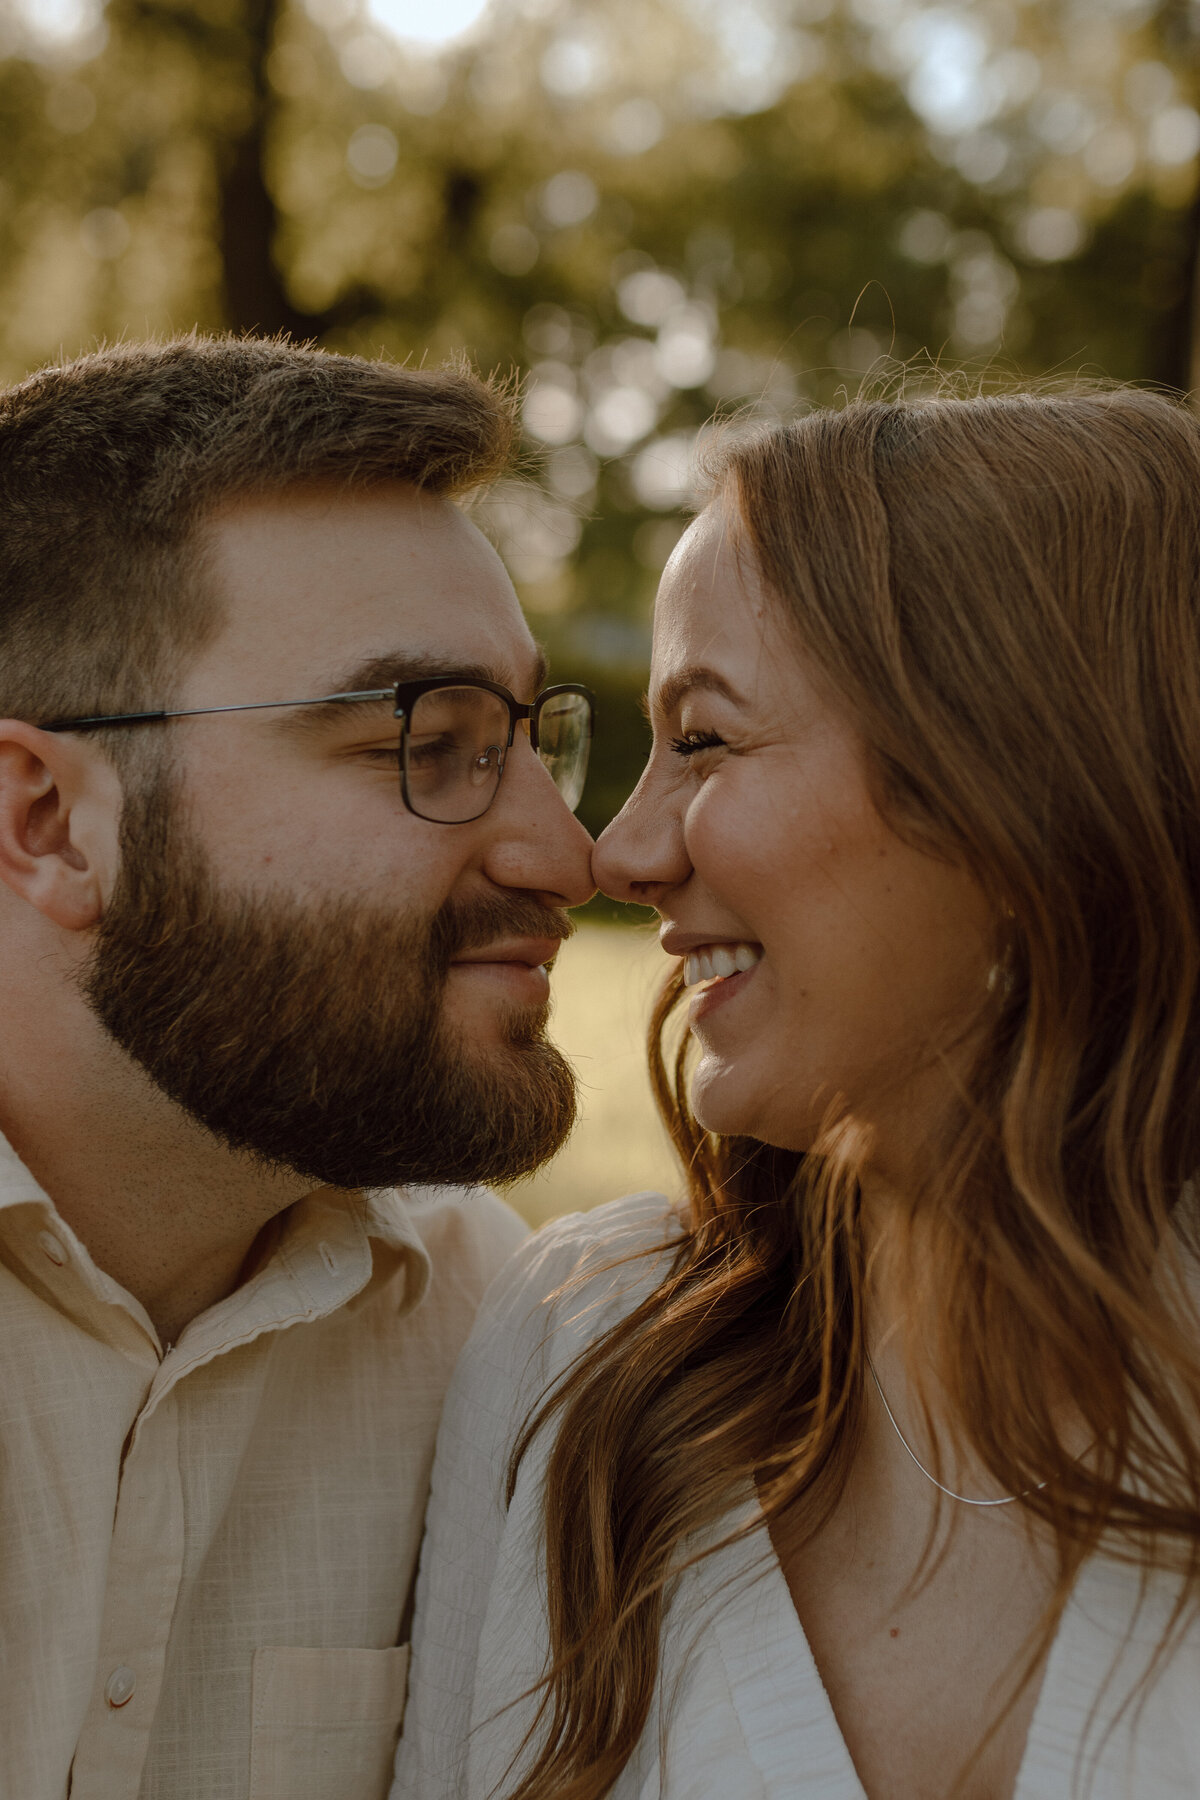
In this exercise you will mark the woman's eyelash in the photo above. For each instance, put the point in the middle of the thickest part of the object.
(693, 741)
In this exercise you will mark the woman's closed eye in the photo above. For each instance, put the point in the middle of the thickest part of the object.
(692, 742)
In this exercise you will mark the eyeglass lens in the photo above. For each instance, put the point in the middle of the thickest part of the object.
(456, 742)
(564, 734)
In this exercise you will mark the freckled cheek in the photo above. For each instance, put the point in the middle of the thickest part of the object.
(762, 851)
(734, 843)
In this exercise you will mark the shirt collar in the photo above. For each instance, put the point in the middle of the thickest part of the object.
(334, 1246)
(17, 1185)
(389, 1222)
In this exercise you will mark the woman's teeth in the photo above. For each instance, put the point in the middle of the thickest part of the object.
(717, 961)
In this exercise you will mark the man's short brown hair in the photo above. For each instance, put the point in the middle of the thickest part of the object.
(109, 463)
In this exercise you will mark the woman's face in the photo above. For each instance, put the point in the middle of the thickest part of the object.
(829, 963)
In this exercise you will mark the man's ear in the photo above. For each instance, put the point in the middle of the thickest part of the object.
(60, 805)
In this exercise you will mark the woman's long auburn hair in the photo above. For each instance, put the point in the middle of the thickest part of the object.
(1004, 591)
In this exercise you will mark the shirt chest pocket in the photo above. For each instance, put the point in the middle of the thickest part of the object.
(325, 1723)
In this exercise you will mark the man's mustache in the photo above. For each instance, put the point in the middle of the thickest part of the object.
(472, 925)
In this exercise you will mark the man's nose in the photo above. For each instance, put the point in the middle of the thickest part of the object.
(537, 843)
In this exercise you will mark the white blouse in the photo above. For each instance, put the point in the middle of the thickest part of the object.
(740, 1712)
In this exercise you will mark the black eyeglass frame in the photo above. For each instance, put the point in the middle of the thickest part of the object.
(403, 695)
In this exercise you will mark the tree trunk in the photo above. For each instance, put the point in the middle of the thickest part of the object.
(1179, 360)
(255, 297)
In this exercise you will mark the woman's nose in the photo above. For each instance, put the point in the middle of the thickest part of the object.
(642, 852)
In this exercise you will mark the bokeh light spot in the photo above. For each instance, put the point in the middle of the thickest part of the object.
(568, 198)
(417, 22)
(371, 155)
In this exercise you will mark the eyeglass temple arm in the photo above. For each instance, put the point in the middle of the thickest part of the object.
(195, 712)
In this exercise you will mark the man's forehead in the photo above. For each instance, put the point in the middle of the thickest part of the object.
(330, 584)
(310, 529)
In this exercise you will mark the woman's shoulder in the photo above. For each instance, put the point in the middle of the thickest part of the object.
(565, 1287)
(585, 1246)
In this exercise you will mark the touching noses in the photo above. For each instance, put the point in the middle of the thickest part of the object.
(537, 843)
(642, 853)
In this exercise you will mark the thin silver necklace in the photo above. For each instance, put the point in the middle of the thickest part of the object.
(963, 1499)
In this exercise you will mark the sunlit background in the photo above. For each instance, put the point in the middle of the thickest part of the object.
(662, 212)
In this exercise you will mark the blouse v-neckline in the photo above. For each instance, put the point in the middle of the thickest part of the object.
(788, 1720)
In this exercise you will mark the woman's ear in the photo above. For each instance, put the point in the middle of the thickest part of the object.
(59, 812)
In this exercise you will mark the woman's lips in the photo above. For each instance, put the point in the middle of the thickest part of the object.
(718, 992)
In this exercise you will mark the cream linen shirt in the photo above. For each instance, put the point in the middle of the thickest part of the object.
(206, 1554)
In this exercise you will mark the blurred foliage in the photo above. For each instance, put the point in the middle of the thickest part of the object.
(622, 727)
(660, 212)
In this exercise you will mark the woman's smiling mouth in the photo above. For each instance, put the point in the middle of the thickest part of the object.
(718, 962)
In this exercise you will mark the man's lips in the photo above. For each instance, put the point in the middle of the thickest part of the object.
(530, 953)
(516, 969)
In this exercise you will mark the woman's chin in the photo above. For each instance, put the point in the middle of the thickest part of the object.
(731, 1102)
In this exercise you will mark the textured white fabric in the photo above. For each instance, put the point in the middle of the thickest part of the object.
(224, 1536)
(740, 1712)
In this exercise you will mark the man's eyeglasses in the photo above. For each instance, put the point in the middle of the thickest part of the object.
(453, 737)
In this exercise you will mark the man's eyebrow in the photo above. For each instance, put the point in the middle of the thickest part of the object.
(379, 672)
(668, 696)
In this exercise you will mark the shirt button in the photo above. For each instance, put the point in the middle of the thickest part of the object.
(49, 1245)
(328, 1258)
(118, 1689)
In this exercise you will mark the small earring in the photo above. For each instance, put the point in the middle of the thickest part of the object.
(999, 976)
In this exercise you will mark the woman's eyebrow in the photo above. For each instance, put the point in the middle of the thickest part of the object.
(671, 692)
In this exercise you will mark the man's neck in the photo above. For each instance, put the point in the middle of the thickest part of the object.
(164, 1209)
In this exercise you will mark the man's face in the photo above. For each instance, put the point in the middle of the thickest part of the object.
(316, 974)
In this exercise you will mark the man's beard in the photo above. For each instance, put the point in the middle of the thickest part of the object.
(312, 1034)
